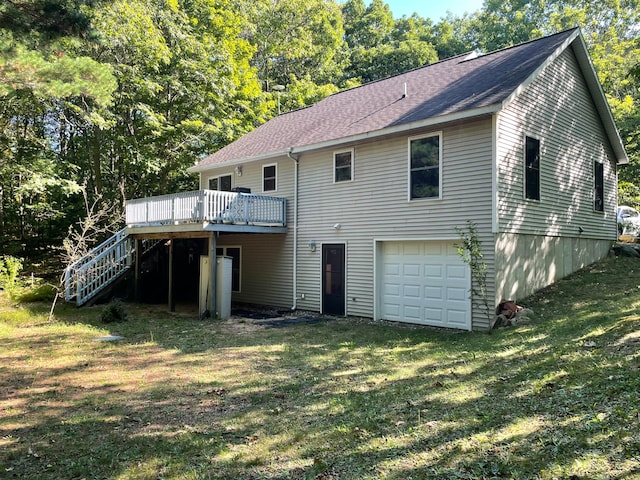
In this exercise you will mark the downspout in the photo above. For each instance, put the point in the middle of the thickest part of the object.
(296, 161)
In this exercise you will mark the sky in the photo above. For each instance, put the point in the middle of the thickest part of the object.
(433, 9)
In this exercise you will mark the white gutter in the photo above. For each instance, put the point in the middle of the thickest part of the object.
(295, 228)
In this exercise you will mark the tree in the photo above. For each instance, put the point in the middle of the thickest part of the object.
(294, 38)
(380, 46)
(185, 88)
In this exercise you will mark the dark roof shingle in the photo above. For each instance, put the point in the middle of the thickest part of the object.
(450, 86)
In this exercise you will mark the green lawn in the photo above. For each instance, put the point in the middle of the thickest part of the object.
(340, 399)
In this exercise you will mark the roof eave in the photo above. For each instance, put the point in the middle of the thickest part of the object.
(600, 100)
(427, 122)
(238, 161)
(597, 93)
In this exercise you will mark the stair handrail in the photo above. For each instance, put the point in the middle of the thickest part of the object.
(102, 270)
(72, 270)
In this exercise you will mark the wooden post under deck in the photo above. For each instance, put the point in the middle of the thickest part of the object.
(136, 275)
(171, 301)
(212, 275)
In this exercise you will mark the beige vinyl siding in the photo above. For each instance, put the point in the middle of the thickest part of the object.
(376, 206)
(267, 259)
(266, 268)
(522, 273)
(557, 109)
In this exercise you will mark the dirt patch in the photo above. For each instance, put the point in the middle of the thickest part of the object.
(250, 320)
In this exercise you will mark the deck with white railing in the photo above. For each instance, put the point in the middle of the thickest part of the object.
(207, 209)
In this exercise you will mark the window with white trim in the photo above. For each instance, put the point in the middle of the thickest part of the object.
(235, 254)
(221, 183)
(269, 178)
(532, 168)
(343, 166)
(425, 155)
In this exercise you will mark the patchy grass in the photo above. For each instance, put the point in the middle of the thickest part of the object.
(349, 399)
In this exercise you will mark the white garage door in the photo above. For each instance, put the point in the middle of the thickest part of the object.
(426, 283)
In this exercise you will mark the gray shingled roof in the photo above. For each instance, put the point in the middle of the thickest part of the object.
(460, 84)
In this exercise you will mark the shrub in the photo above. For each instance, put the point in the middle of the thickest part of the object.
(114, 312)
(39, 292)
(10, 268)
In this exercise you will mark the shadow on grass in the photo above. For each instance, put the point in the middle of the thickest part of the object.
(181, 398)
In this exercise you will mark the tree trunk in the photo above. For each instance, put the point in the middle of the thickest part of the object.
(95, 161)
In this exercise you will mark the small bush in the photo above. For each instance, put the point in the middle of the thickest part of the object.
(10, 268)
(39, 292)
(114, 312)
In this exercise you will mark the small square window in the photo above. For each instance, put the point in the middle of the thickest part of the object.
(269, 183)
(343, 166)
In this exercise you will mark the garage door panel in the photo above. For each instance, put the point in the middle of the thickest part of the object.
(392, 268)
(433, 293)
(412, 249)
(457, 294)
(457, 318)
(393, 311)
(434, 271)
(457, 271)
(433, 315)
(425, 282)
(392, 289)
(411, 291)
(411, 270)
(412, 313)
(432, 248)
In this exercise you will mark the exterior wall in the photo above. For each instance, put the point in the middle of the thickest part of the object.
(521, 273)
(539, 242)
(526, 244)
(375, 206)
(558, 110)
(266, 268)
(266, 259)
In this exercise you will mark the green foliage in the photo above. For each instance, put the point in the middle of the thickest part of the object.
(471, 252)
(10, 268)
(114, 312)
(50, 19)
(628, 194)
(116, 99)
(352, 399)
(59, 76)
(39, 291)
(295, 38)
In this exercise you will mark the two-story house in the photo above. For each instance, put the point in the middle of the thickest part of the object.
(376, 183)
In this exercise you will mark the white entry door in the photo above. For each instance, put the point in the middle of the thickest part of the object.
(425, 282)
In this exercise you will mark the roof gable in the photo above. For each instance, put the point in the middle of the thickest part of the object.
(462, 86)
